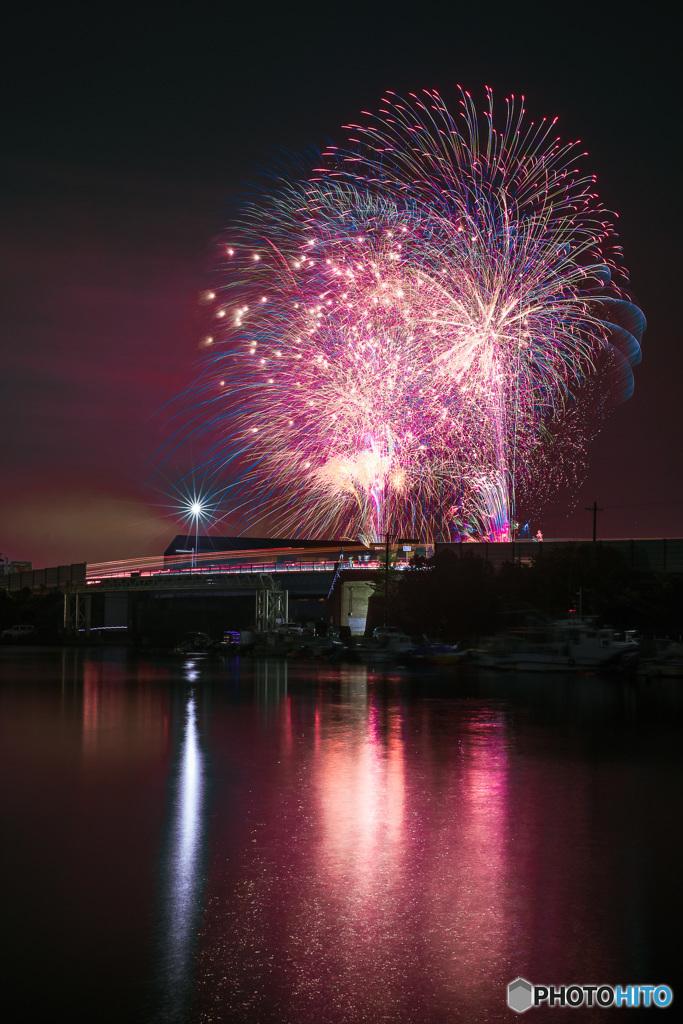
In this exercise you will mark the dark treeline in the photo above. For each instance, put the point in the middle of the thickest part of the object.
(461, 598)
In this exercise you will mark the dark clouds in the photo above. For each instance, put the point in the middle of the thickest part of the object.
(100, 275)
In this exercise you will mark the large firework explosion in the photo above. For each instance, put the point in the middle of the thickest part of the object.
(422, 337)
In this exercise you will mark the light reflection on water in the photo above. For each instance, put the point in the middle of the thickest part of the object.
(268, 841)
(373, 882)
(182, 872)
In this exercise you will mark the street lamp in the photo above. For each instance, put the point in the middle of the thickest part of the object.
(196, 511)
(196, 505)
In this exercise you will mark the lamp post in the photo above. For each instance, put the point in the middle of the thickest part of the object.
(196, 508)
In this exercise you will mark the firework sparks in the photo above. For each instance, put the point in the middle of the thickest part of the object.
(419, 336)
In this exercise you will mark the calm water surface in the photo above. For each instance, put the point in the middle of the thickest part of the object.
(189, 840)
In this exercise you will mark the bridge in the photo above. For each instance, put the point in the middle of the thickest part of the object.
(212, 591)
(136, 605)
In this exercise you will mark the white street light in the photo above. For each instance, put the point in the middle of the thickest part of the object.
(195, 506)
(196, 510)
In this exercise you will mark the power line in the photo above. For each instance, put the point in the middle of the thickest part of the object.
(644, 504)
(635, 504)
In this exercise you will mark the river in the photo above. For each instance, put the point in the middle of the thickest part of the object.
(192, 840)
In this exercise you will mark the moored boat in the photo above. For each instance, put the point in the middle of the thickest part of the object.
(434, 652)
(667, 661)
(565, 645)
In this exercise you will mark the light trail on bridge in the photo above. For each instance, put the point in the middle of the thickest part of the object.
(281, 560)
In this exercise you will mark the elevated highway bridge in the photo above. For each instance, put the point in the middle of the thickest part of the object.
(212, 590)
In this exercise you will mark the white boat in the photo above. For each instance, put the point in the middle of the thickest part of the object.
(563, 646)
(390, 647)
(667, 661)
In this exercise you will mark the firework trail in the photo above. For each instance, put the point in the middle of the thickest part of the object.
(420, 338)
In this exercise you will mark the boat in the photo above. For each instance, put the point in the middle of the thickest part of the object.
(391, 646)
(667, 660)
(565, 645)
(435, 652)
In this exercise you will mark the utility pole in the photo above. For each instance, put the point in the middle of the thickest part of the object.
(399, 540)
(595, 511)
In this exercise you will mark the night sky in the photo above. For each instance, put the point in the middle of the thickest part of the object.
(130, 132)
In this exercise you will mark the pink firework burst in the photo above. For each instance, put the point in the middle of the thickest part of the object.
(420, 337)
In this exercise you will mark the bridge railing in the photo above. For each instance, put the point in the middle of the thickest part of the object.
(212, 566)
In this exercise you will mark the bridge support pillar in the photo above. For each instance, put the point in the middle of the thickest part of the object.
(77, 614)
(272, 607)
